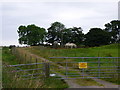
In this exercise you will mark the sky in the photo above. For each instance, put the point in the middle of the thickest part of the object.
(72, 13)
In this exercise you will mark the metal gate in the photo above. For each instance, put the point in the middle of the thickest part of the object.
(30, 70)
(86, 67)
(71, 68)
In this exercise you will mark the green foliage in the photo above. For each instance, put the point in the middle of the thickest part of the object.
(31, 35)
(34, 35)
(58, 32)
(97, 37)
(55, 32)
(114, 29)
(73, 35)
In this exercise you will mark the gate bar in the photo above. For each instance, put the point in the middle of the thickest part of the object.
(84, 57)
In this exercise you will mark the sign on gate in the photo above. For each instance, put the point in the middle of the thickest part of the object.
(82, 64)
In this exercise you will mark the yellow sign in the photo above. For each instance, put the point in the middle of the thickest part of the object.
(82, 64)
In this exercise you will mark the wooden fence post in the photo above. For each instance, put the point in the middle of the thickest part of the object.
(25, 58)
(36, 62)
(47, 70)
(12, 50)
(30, 59)
(18, 56)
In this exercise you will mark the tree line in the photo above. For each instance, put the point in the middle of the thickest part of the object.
(57, 32)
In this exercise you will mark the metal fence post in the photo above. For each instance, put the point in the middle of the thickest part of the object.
(83, 69)
(47, 69)
(66, 68)
(98, 67)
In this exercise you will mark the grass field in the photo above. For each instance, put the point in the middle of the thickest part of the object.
(10, 80)
(46, 52)
(103, 51)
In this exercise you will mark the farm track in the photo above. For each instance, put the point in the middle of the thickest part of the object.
(71, 82)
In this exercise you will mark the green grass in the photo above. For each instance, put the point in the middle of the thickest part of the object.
(102, 51)
(8, 57)
(88, 82)
(57, 83)
(11, 80)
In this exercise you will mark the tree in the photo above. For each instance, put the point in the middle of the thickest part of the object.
(31, 35)
(55, 32)
(73, 35)
(114, 29)
(97, 37)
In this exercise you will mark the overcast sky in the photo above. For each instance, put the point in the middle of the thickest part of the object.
(78, 13)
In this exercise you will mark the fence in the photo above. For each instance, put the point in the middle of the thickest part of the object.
(87, 67)
(24, 57)
(73, 67)
(30, 71)
(28, 66)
